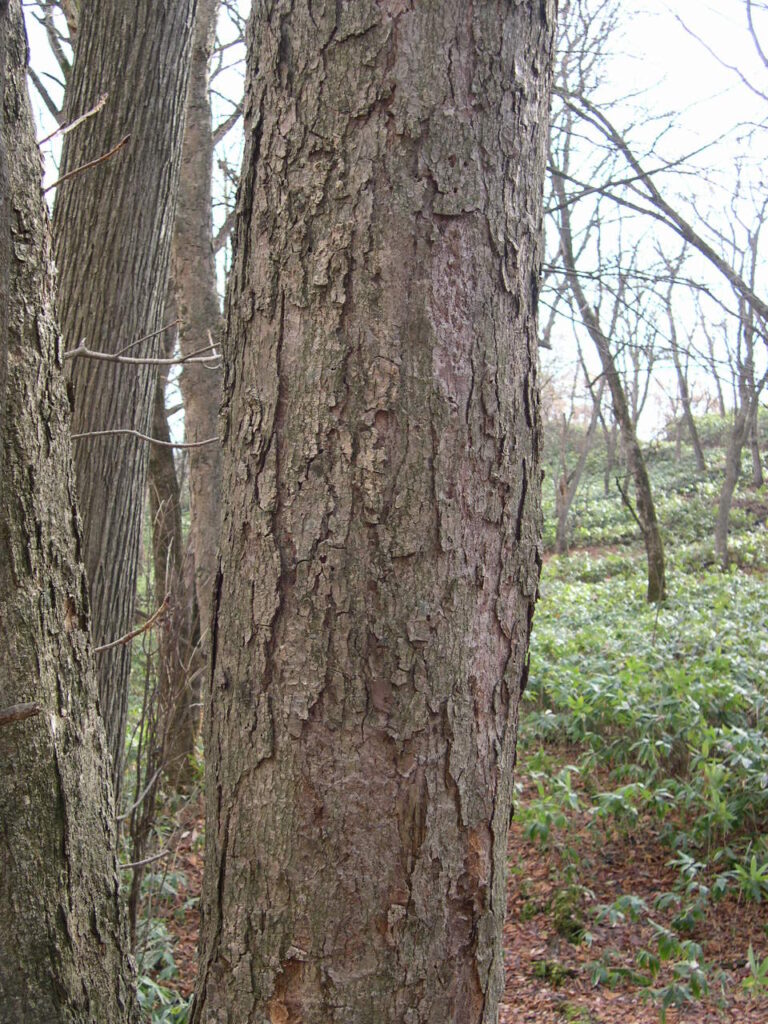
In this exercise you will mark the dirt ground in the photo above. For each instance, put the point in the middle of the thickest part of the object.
(548, 980)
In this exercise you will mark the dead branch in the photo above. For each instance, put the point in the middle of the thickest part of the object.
(66, 129)
(108, 357)
(148, 337)
(91, 163)
(147, 860)
(146, 437)
(18, 712)
(137, 632)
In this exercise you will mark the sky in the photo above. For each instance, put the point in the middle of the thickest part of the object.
(656, 66)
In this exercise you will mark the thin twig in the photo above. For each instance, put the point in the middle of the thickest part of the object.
(87, 166)
(147, 860)
(147, 337)
(65, 129)
(136, 632)
(109, 357)
(146, 437)
(137, 802)
(18, 712)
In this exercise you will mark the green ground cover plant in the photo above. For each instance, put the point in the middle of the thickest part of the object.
(654, 717)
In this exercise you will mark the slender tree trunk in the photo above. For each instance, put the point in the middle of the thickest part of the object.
(646, 511)
(194, 276)
(736, 442)
(685, 399)
(682, 383)
(62, 940)
(611, 443)
(381, 534)
(179, 699)
(112, 228)
(570, 481)
(754, 445)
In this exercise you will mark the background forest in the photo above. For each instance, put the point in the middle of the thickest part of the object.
(638, 860)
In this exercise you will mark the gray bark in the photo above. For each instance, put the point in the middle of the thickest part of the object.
(381, 533)
(112, 228)
(62, 939)
(197, 302)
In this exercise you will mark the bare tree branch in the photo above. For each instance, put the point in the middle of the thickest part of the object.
(145, 437)
(89, 164)
(18, 712)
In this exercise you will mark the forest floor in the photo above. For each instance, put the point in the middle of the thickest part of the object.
(548, 977)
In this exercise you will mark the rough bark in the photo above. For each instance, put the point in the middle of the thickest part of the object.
(176, 663)
(381, 534)
(112, 228)
(62, 940)
(646, 510)
(5, 228)
(197, 302)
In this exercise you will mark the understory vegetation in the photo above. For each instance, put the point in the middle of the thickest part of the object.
(646, 726)
(643, 764)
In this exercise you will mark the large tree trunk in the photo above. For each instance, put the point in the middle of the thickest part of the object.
(62, 940)
(646, 510)
(112, 228)
(381, 534)
(194, 277)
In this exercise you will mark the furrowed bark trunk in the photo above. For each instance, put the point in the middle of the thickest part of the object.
(381, 534)
(62, 939)
(197, 301)
(112, 227)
